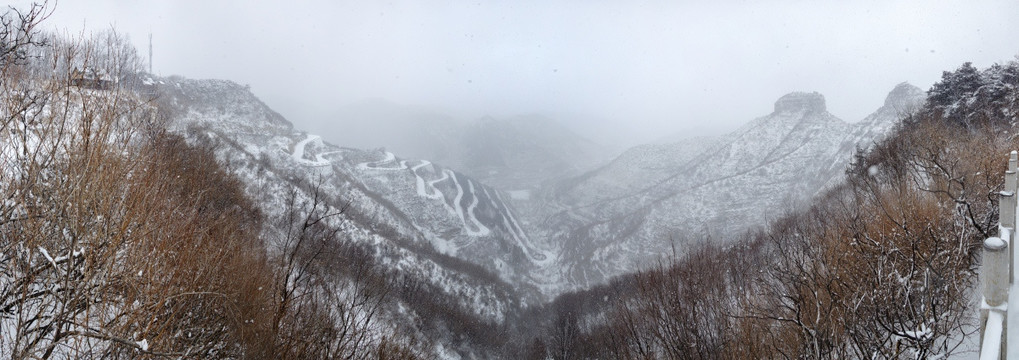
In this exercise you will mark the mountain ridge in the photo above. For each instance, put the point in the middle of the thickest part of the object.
(573, 232)
(768, 155)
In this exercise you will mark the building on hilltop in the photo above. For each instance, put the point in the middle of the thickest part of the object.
(91, 78)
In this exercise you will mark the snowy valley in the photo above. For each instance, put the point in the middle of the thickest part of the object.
(150, 216)
(569, 232)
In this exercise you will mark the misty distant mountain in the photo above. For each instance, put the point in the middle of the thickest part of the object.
(632, 211)
(524, 151)
(411, 131)
(514, 153)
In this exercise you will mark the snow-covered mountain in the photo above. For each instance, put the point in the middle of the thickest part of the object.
(424, 222)
(538, 233)
(656, 198)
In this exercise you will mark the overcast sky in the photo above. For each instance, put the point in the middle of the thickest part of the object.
(645, 69)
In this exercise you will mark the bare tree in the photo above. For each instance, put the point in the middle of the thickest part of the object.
(565, 332)
(18, 34)
(111, 245)
(329, 293)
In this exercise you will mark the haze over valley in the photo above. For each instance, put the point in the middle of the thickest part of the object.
(507, 181)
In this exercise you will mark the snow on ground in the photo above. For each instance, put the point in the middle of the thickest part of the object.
(441, 179)
(456, 200)
(466, 217)
(377, 165)
(482, 229)
(543, 257)
(321, 156)
(427, 189)
(442, 245)
(299, 153)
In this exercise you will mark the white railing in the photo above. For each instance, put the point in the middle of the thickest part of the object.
(997, 273)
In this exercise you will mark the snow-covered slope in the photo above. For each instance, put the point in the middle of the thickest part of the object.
(636, 169)
(551, 234)
(633, 211)
(421, 219)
